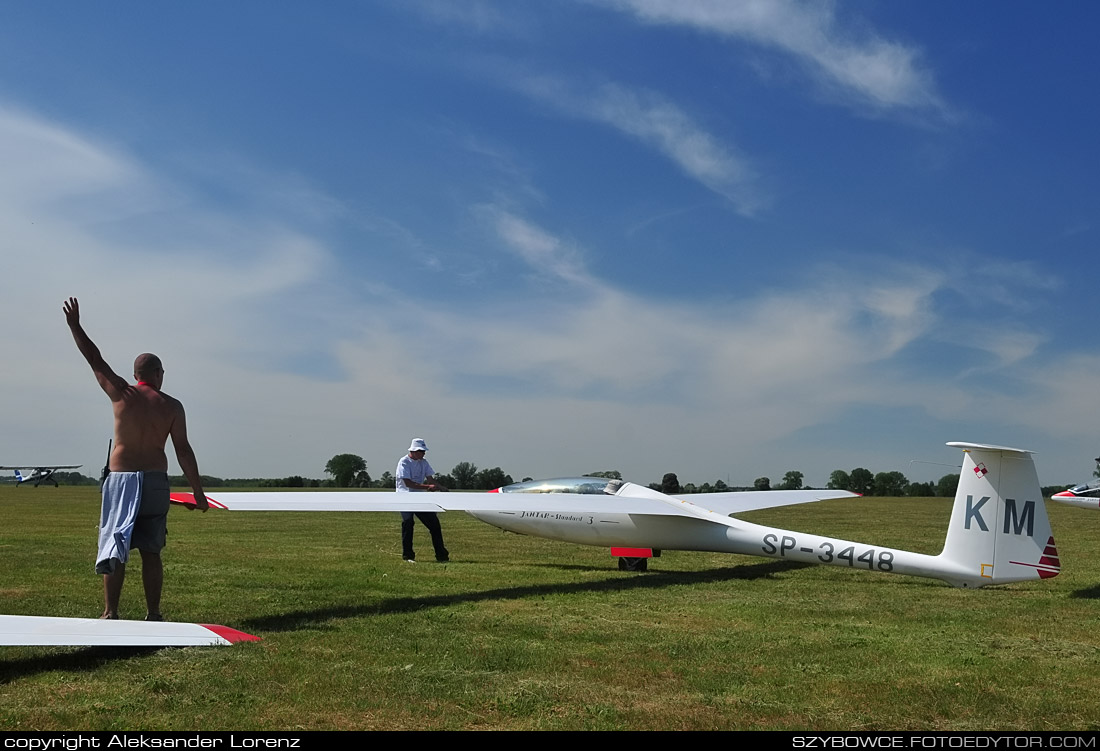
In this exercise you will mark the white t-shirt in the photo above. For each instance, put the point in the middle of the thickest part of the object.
(416, 470)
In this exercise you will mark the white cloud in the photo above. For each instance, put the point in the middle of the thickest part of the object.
(567, 377)
(880, 73)
(545, 253)
(52, 162)
(193, 285)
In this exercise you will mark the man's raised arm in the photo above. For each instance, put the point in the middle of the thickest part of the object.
(109, 381)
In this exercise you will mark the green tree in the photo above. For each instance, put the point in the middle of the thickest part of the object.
(386, 480)
(489, 479)
(344, 467)
(73, 478)
(839, 480)
(362, 480)
(465, 475)
(670, 484)
(921, 490)
(791, 481)
(861, 481)
(890, 484)
(762, 483)
(947, 486)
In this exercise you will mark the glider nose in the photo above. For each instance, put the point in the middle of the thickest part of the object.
(1069, 498)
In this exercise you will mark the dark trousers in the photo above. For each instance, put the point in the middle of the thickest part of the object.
(430, 520)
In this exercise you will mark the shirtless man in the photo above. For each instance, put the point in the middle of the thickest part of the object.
(144, 418)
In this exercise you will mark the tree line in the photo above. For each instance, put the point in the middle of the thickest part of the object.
(859, 480)
(350, 471)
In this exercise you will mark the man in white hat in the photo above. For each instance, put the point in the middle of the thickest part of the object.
(415, 475)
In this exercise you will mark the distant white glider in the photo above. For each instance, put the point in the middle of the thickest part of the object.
(31, 630)
(1084, 496)
(998, 533)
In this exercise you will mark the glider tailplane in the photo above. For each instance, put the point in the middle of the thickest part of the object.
(999, 531)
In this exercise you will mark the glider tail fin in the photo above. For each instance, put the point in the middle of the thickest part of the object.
(18, 477)
(999, 530)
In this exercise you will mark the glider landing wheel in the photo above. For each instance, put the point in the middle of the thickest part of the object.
(633, 564)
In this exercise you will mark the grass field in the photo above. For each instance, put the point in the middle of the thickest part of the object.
(523, 633)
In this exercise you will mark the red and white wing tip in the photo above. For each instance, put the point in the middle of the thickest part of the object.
(188, 499)
(30, 630)
(231, 635)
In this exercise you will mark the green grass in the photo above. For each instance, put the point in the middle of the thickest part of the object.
(522, 633)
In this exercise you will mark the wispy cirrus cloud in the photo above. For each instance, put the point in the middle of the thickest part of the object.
(545, 253)
(656, 121)
(882, 74)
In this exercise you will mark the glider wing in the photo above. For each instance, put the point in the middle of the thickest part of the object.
(31, 630)
(753, 500)
(566, 503)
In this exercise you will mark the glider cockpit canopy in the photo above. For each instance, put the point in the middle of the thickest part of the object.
(578, 485)
(1088, 490)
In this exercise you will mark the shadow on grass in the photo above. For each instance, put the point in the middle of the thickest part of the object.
(1088, 593)
(301, 619)
(82, 660)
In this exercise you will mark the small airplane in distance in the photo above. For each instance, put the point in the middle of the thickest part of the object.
(998, 532)
(40, 474)
(31, 630)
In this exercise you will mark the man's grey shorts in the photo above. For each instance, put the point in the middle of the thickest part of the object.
(151, 527)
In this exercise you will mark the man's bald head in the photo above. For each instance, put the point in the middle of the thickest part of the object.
(147, 368)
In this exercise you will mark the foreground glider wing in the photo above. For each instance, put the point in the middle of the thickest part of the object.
(31, 630)
(628, 498)
(564, 503)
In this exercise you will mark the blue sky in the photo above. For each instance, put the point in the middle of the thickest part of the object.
(723, 239)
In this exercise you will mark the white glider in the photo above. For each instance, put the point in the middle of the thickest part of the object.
(1084, 496)
(32, 630)
(998, 533)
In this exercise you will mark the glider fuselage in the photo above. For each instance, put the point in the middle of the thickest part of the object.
(744, 538)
